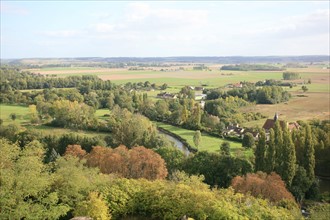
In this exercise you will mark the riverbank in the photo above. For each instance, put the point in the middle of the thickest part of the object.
(183, 141)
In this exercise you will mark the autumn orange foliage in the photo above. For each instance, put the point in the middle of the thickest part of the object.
(75, 150)
(139, 162)
(259, 184)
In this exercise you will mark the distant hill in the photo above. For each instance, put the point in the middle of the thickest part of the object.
(183, 59)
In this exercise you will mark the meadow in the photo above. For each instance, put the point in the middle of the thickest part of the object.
(208, 143)
(23, 119)
(22, 114)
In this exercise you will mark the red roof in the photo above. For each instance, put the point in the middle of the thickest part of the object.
(270, 123)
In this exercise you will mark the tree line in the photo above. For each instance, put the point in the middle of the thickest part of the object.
(292, 156)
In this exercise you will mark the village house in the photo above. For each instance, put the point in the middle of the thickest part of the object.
(234, 85)
(166, 95)
(234, 129)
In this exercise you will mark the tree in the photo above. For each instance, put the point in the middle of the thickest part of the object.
(164, 86)
(300, 184)
(197, 138)
(72, 114)
(75, 150)
(225, 148)
(248, 140)
(290, 75)
(194, 121)
(218, 170)
(13, 116)
(26, 184)
(278, 141)
(309, 153)
(145, 163)
(73, 180)
(139, 162)
(94, 207)
(260, 184)
(132, 129)
(288, 165)
(304, 88)
(34, 118)
(173, 157)
(260, 153)
(270, 153)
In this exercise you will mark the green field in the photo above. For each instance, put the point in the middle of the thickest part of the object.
(208, 143)
(213, 78)
(48, 130)
(22, 113)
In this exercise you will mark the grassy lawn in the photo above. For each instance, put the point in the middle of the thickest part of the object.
(208, 143)
(48, 130)
(101, 112)
(22, 113)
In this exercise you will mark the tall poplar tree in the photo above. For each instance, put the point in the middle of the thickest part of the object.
(270, 153)
(260, 153)
(278, 146)
(288, 165)
(309, 155)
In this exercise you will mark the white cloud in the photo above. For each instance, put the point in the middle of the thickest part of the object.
(313, 23)
(6, 8)
(62, 33)
(103, 27)
(143, 24)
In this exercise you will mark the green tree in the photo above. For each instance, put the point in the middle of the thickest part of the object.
(260, 153)
(184, 115)
(94, 207)
(300, 184)
(164, 86)
(132, 129)
(73, 181)
(248, 140)
(34, 118)
(278, 141)
(13, 116)
(309, 153)
(194, 121)
(26, 184)
(270, 153)
(225, 148)
(304, 88)
(173, 157)
(288, 165)
(197, 138)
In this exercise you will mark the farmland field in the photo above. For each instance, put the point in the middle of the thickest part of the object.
(315, 103)
(214, 77)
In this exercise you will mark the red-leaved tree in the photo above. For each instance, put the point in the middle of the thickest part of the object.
(259, 184)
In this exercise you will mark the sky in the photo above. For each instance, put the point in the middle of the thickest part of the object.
(49, 29)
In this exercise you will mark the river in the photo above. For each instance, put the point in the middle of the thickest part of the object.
(177, 143)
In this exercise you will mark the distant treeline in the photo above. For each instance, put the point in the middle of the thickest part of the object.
(250, 67)
(268, 94)
(186, 59)
(15, 79)
(290, 75)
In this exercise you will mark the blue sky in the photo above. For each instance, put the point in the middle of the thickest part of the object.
(32, 29)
